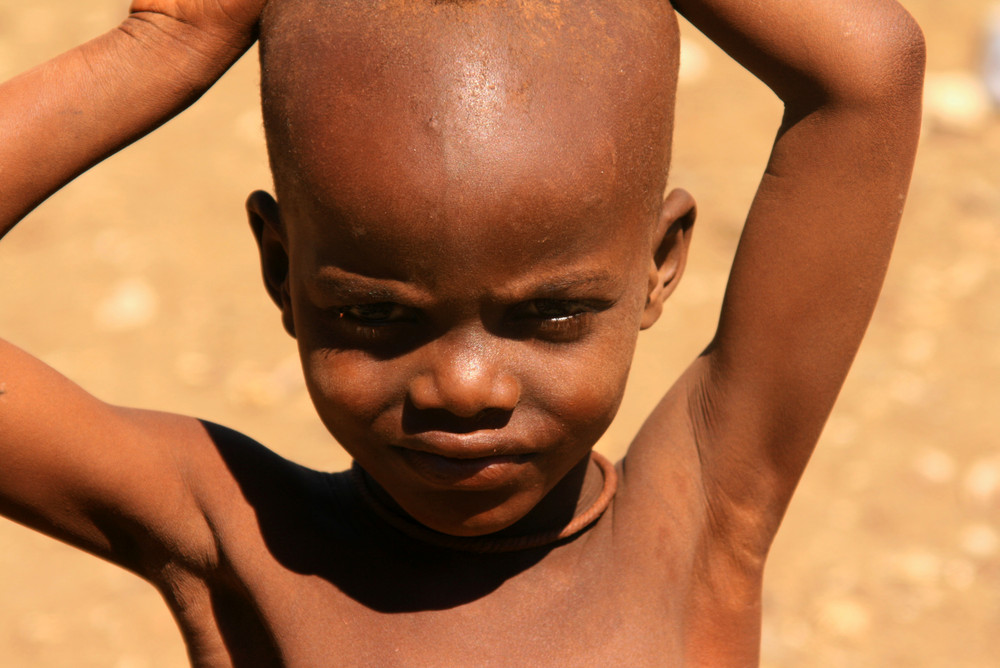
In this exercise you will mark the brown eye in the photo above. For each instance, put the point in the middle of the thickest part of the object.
(554, 320)
(373, 315)
(555, 309)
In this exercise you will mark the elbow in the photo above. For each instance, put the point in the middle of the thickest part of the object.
(903, 58)
(887, 68)
(874, 64)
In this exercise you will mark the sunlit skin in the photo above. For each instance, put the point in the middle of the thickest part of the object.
(470, 296)
(469, 230)
(521, 350)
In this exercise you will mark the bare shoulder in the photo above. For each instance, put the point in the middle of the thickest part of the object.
(142, 489)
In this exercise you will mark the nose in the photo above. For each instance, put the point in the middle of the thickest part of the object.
(466, 376)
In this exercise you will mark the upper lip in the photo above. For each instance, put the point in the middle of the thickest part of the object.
(474, 445)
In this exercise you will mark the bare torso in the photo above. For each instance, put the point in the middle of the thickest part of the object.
(267, 564)
(309, 576)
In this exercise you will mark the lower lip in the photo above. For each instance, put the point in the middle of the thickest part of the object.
(476, 473)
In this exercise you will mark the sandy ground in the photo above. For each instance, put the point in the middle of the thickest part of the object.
(139, 282)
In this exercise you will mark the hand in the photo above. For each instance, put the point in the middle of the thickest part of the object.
(234, 21)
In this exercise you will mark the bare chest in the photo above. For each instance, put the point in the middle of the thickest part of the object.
(550, 612)
(635, 590)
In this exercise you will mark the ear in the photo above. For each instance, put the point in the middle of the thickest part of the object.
(671, 240)
(272, 242)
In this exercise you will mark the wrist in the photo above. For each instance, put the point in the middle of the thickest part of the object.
(197, 54)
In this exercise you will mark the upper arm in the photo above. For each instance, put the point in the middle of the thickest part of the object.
(116, 482)
(817, 240)
(125, 484)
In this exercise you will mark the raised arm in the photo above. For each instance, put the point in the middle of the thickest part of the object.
(103, 478)
(63, 117)
(815, 248)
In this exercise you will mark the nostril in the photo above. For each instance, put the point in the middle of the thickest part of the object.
(418, 420)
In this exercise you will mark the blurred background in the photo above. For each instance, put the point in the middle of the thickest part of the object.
(139, 281)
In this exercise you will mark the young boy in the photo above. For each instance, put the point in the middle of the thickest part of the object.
(469, 232)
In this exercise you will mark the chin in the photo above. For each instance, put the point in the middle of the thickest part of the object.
(480, 520)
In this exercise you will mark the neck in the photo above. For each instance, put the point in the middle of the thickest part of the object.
(594, 482)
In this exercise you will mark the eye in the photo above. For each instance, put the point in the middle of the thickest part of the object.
(554, 309)
(555, 320)
(373, 315)
(377, 324)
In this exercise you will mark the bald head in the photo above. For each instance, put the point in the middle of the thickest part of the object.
(443, 104)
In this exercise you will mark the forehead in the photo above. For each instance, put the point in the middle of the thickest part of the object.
(456, 120)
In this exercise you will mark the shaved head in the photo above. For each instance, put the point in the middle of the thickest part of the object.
(447, 104)
(470, 222)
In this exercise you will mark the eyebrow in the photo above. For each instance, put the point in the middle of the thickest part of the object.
(567, 283)
(353, 286)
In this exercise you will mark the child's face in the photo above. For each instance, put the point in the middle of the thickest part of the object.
(463, 253)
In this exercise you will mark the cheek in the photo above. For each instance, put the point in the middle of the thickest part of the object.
(349, 390)
(584, 389)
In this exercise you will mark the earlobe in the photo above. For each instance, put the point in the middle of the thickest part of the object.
(670, 247)
(265, 222)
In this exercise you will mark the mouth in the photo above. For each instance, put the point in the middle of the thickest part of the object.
(467, 471)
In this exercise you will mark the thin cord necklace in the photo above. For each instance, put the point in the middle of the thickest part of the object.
(489, 544)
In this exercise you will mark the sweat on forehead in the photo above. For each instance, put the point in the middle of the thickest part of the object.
(446, 103)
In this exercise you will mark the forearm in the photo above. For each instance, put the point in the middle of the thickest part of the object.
(814, 52)
(61, 118)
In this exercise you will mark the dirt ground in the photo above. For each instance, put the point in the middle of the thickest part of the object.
(139, 282)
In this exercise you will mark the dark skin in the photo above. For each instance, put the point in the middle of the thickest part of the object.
(493, 297)
(468, 236)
